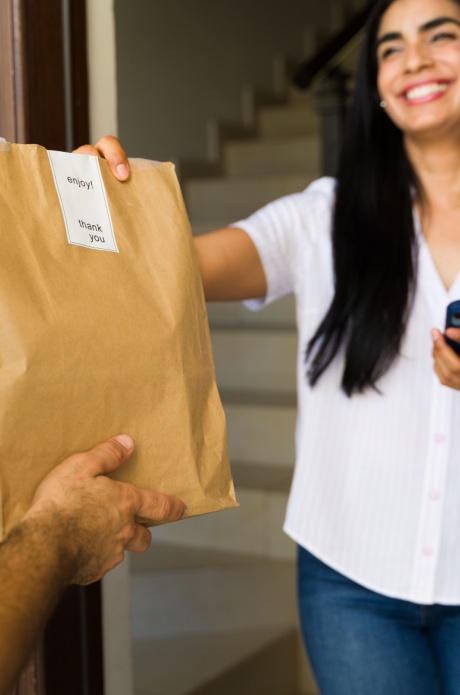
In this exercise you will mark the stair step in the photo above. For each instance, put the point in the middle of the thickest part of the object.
(255, 360)
(237, 198)
(245, 662)
(288, 120)
(288, 155)
(261, 434)
(253, 528)
(279, 315)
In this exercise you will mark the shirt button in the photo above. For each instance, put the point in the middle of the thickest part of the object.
(427, 551)
(440, 438)
(434, 495)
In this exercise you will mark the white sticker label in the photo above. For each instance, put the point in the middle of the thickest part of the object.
(83, 200)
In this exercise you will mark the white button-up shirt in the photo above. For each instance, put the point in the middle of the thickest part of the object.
(376, 488)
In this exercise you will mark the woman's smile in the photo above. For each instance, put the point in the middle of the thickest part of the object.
(424, 92)
(418, 54)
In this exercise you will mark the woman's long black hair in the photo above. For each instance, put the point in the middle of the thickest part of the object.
(374, 242)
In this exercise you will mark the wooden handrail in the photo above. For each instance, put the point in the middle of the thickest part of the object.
(331, 53)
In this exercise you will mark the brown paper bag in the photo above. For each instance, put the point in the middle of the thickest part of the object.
(94, 343)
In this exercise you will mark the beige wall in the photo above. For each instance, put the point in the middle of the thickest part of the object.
(103, 108)
(180, 62)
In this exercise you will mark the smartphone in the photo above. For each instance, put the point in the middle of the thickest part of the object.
(453, 320)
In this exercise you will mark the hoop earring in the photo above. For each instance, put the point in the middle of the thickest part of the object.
(383, 104)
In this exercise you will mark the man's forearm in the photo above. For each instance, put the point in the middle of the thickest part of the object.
(33, 574)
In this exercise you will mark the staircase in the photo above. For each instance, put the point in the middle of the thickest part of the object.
(213, 600)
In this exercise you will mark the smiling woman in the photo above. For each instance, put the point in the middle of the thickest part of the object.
(410, 66)
(375, 500)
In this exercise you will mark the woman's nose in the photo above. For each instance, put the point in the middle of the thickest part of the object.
(417, 57)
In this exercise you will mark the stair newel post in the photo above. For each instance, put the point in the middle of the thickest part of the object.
(331, 95)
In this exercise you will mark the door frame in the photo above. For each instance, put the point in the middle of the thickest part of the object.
(44, 100)
(44, 73)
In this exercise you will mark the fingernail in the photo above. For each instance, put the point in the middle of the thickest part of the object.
(185, 513)
(435, 334)
(126, 441)
(122, 171)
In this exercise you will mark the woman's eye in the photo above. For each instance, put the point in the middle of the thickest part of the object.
(443, 36)
(388, 51)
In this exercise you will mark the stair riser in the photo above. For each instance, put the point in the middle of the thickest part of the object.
(296, 121)
(280, 314)
(252, 360)
(204, 600)
(210, 224)
(260, 434)
(273, 671)
(256, 476)
(234, 199)
(247, 662)
(254, 528)
(296, 155)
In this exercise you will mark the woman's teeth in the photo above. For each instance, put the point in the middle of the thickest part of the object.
(425, 90)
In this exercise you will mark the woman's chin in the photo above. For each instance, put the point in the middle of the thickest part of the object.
(428, 128)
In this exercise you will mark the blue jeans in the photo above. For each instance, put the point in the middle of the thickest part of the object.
(362, 643)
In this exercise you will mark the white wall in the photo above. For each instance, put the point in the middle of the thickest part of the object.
(180, 62)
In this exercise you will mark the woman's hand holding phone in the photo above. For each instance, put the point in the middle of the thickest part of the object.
(446, 348)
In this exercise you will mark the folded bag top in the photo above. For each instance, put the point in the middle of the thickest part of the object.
(94, 342)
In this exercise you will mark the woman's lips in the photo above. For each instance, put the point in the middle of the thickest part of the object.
(428, 91)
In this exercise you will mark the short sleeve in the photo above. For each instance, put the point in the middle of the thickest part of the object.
(282, 233)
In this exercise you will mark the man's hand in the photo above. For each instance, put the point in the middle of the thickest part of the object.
(78, 527)
(97, 514)
(110, 149)
(446, 361)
